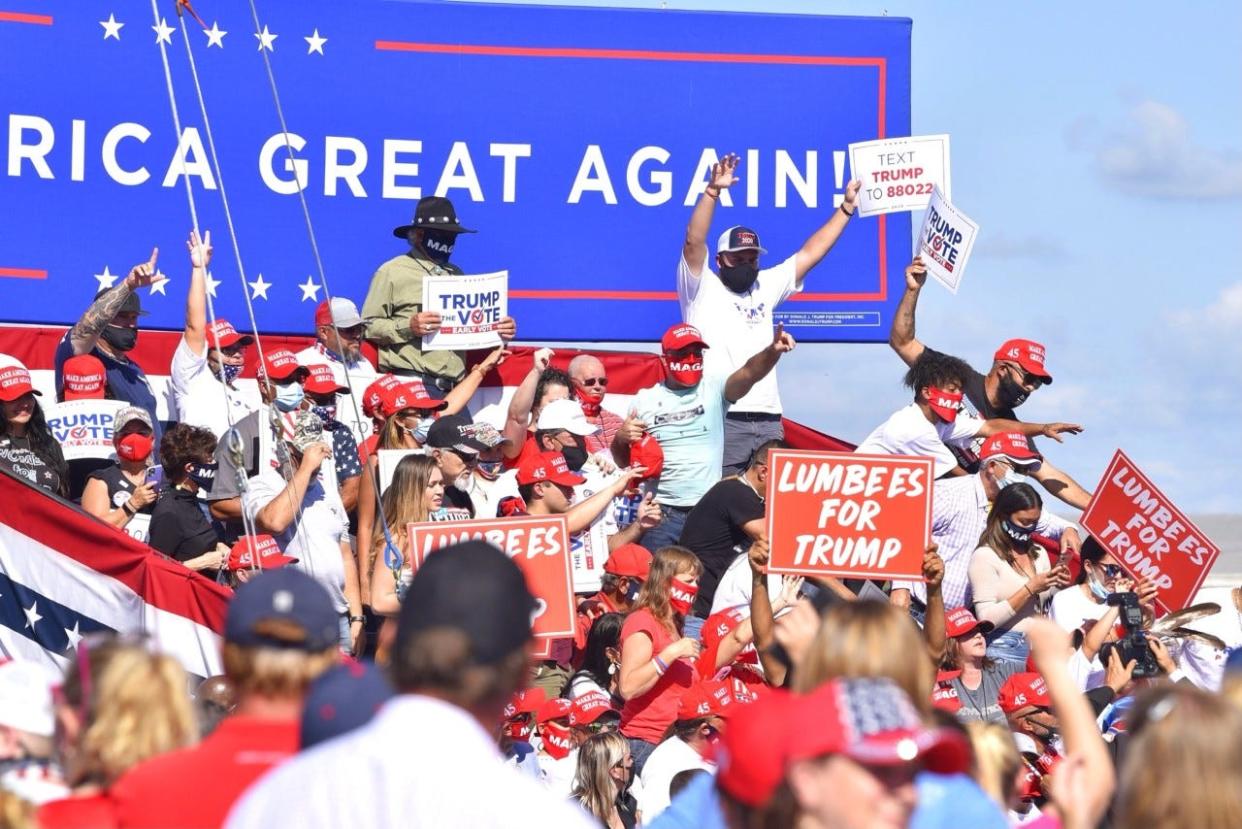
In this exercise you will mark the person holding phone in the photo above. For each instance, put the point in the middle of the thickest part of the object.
(119, 493)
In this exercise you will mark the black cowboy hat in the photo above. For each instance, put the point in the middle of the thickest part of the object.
(433, 213)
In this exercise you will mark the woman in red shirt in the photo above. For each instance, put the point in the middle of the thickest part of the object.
(656, 659)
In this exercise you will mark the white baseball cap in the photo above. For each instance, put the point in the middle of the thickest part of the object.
(26, 697)
(567, 415)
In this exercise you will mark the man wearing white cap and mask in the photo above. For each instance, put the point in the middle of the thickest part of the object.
(339, 317)
(27, 725)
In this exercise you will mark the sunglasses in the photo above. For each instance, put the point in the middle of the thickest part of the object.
(1028, 379)
(595, 381)
(1111, 571)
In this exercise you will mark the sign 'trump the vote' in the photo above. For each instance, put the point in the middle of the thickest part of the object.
(946, 240)
(842, 514)
(470, 309)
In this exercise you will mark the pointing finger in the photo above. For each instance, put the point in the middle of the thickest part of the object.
(155, 254)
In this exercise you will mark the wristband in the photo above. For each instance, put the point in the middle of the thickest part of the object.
(659, 666)
(1026, 585)
(846, 212)
(708, 192)
(353, 619)
(128, 509)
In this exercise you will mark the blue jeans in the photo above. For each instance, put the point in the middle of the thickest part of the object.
(640, 750)
(693, 627)
(668, 531)
(1010, 646)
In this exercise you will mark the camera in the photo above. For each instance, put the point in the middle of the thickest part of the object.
(1133, 645)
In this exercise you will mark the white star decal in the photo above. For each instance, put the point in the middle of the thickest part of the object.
(310, 290)
(160, 283)
(266, 39)
(163, 33)
(258, 288)
(111, 27)
(315, 43)
(73, 636)
(106, 279)
(215, 36)
(32, 615)
(212, 284)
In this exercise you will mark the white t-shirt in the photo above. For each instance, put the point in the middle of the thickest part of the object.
(361, 375)
(908, 432)
(735, 587)
(1086, 675)
(689, 425)
(198, 396)
(315, 539)
(738, 326)
(1072, 607)
(669, 759)
(558, 775)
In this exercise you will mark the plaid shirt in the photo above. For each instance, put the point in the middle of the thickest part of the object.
(960, 510)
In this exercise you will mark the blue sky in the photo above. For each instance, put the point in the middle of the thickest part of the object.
(1100, 150)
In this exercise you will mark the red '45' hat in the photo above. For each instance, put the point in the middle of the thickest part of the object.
(1013, 447)
(1026, 353)
(547, 466)
(1023, 691)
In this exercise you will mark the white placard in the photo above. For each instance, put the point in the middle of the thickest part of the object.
(945, 241)
(899, 174)
(470, 309)
(84, 427)
(388, 460)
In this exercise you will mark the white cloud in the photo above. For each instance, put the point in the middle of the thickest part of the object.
(1156, 155)
(999, 245)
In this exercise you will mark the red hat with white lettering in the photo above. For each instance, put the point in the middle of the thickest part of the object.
(84, 378)
(681, 335)
(257, 551)
(590, 706)
(409, 395)
(1014, 447)
(321, 380)
(15, 382)
(222, 334)
(547, 466)
(961, 622)
(1023, 690)
(649, 454)
(1026, 353)
(373, 397)
(553, 709)
(527, 701)
(708, 698)
(633, 560)
(715, 629)
(281, 364)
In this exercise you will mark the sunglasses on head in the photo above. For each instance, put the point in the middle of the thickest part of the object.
(595, 381)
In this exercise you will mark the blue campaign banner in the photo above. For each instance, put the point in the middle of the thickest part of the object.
(575, 140)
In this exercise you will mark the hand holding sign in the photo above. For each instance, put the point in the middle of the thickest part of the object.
(945, 241)
(916, 274)
(899, 174)
(424, 322)
(143, 275)
(472, 311)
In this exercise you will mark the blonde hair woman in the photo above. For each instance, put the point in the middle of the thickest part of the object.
(997, 761)
(119, 705)
(414, 496)
(1197, 780)
(656, 657)
(869, 639)
(602, 783)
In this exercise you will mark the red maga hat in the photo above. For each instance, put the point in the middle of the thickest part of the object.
(632, 560)
(960, 622)
(1013, 447)
(321, 380)
(222, 334)
(1026, 353)
(84, 377)
(681, 335)
(15, 382)
(547, 466)
(1023, 691)
(281, 364)
(264, 547)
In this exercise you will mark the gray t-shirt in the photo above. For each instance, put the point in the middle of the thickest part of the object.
(981, 703)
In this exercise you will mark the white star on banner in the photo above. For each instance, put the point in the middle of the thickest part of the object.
(32, 615)
(74, 636)
(111, 27)
(215, 36)
(212, 284)
(106, 279)
(160, 283)
(310, 290)
(258, 288)
(315, 43)
(163, 33)
(266, 39)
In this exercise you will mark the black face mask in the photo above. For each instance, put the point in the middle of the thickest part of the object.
(1010, 393)
(575, 456)
(438, 245)
(203, 474)
(122, 339)
(739, 278)
(1020, 536)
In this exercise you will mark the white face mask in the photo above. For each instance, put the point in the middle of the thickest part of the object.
(1010, 477)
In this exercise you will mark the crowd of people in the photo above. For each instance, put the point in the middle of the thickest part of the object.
(698, 688)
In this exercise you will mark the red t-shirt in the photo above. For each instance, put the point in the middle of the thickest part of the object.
(585, 621)
(529, 449)
(196, 787)
(647, 717)
(367, 448)
(93, 812)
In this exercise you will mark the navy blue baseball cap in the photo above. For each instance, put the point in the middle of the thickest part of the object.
(282, 608)
(341, 699)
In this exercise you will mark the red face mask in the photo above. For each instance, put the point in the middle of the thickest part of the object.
(135, 447)
(590, 406)
(944, 403)
(518, 729)
(688, 371)
(557, 741)
(681, 595)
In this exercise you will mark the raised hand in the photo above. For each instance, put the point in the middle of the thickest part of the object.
(1055, 430)
(200, 249)
(493, 359)
(916, 274)
(507, 329)
(782, 342)
(933, 567)
(543, 358)
(144, 274)
(851, 195)
(632, 429)
(724, 173)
